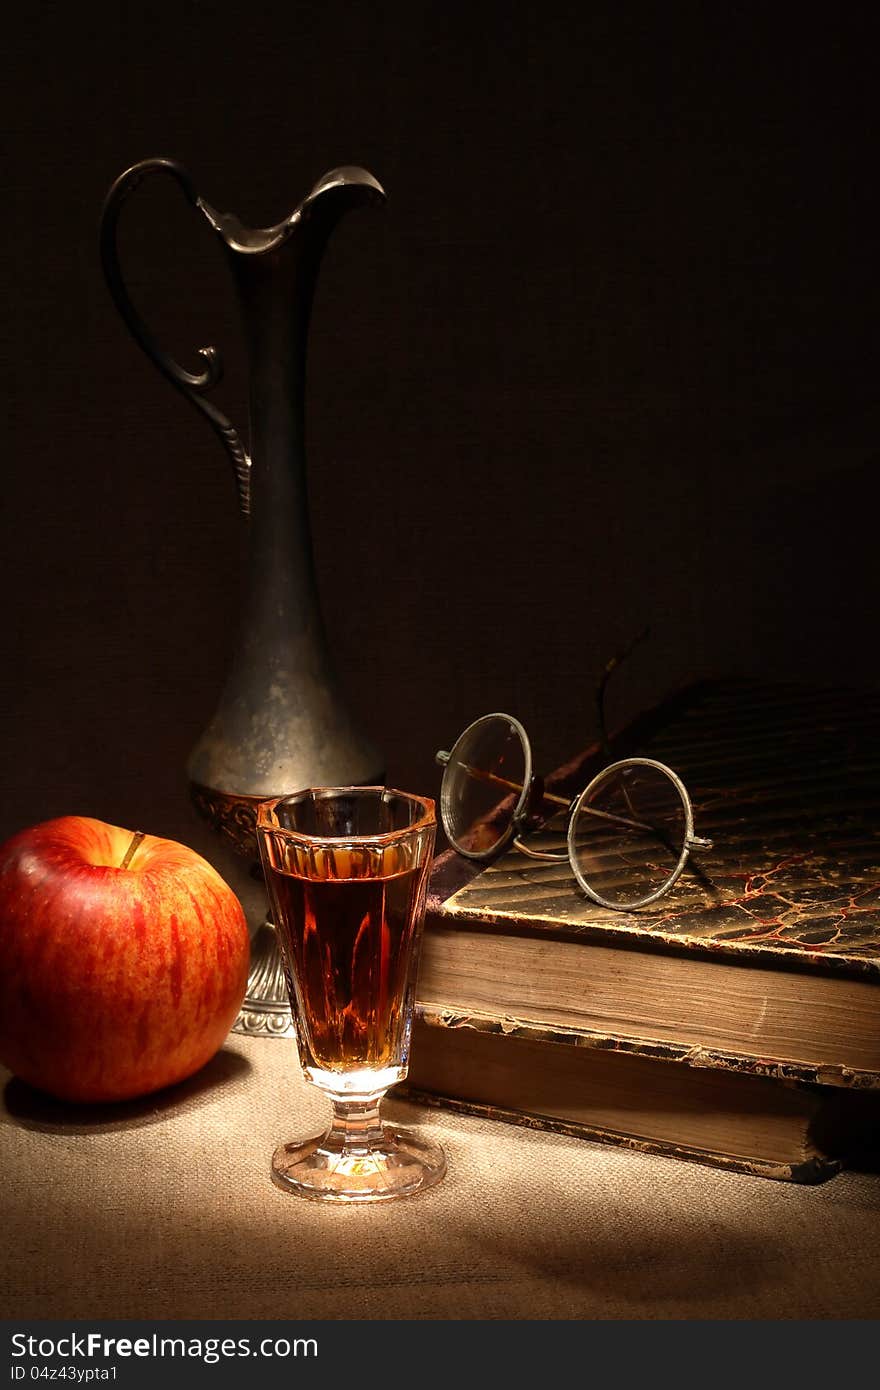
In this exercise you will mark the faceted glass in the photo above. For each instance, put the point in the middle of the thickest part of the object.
(347, 871)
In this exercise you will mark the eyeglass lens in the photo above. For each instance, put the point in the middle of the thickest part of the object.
(482, 785)
(628, 835)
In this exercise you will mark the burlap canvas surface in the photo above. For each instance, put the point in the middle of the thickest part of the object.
(164, 1208)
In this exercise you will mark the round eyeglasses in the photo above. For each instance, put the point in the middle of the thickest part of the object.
(629, 833)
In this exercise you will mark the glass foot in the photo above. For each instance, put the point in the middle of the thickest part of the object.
(330, 1168)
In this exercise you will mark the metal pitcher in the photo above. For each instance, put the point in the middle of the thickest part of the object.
(281, 723)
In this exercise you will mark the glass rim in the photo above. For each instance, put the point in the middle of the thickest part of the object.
(267, 822)
(687, 838)
(517, 814)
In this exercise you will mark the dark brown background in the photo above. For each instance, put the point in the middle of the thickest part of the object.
(608, 357)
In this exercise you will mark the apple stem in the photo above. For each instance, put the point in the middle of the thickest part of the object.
(132, 849)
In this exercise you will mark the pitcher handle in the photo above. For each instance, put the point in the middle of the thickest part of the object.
(191, 384)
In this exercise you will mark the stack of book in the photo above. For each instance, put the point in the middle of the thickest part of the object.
(737, 1020)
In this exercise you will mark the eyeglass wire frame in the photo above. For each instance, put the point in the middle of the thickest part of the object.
(532, 794)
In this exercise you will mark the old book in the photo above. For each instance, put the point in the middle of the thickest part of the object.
(755, 1124)
(764, 960)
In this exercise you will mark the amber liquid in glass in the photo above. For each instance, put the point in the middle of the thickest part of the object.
(348, 948)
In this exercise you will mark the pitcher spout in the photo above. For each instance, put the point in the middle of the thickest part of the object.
(333, 195)
(348, 186)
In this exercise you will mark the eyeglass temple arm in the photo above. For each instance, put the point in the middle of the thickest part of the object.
(606, 675)
(560, 856)
(602, 815)
(552, 856)
(443, 758)
(484, 776)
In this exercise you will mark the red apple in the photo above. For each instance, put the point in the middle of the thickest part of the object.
(119, 973)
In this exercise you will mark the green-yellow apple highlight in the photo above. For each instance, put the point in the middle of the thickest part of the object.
(123, 960)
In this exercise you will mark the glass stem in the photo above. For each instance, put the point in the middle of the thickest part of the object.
(355, 1128)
